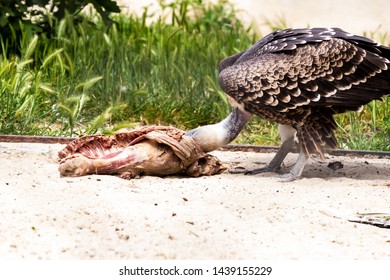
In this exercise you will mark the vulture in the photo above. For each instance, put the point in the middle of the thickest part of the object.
(299, 79)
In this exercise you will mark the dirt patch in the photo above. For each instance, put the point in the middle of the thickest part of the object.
(226, 216)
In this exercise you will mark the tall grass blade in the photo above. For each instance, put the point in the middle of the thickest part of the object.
(50, 57)
(31, 48)
(88, 84)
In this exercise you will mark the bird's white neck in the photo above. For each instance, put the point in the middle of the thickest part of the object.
(212, 137)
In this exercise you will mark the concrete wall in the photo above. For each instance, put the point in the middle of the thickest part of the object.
(355, 16)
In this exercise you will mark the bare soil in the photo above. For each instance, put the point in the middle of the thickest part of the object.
(226, 216)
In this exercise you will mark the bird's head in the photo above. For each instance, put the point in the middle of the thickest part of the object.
(212, 137)
(209, 137)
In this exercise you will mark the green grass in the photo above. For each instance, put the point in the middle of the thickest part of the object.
(91, 79)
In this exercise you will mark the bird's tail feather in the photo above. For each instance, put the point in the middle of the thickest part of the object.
(317, 134)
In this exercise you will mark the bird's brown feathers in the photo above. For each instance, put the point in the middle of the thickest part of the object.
(302, 77)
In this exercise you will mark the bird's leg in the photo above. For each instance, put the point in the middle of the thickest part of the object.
(288, 136)
(296, 171)
(277, 160)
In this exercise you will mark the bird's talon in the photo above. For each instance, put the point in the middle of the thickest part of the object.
(255, 171)
(288, 177)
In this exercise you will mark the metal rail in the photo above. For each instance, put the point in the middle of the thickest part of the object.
(35, 139)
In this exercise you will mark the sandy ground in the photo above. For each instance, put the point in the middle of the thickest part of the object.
(227, 216)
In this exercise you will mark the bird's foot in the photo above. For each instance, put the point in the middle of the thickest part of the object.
(286, 177)
(289, 177)
(263, 170)
(256, 171)
(296, 171)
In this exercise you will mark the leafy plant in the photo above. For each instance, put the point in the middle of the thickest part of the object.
(40, 16)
